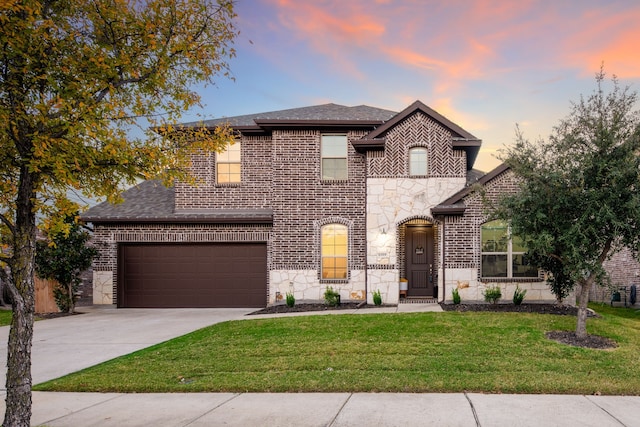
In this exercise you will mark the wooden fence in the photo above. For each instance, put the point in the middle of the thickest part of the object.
(45, 303)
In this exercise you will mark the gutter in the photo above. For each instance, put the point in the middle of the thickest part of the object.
(366, 215)
(444, 260)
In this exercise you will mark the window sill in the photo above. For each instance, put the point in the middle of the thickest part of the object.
(334, 181)
(329, 281)
(511, 279)
(229, 185)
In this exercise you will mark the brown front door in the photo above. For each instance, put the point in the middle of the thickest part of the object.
(419, 262)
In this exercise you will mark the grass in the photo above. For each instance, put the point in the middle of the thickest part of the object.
(5, 317)
(422, 352)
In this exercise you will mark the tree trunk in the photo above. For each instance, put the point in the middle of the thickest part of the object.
(583, 300)
(18, 401)
(70, 298)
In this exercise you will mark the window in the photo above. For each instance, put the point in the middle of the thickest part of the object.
(333, 150)
(334, 251)
(417, 161)
(228, 164)
(503, 255)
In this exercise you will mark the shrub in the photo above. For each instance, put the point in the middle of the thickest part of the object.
(456, 296)
(377, 298)
(331, 297)
(291, 300)
(64, 259)
(492, 294)
(518, 295)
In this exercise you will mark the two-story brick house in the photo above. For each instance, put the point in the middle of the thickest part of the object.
(355, 198)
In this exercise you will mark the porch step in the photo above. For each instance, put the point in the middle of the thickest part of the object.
(418, 301)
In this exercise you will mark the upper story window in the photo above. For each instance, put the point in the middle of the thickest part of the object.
(333, 150)
(417, 161)
(228, 164)
(503, 254)
(334, 251)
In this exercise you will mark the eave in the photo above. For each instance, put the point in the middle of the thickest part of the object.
(363, 145)
(272, 124)
(212, 217)
(458, 209)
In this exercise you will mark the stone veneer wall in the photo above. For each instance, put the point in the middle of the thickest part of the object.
(305, 286)
(108, 237)
(395, 199)
(463, 254)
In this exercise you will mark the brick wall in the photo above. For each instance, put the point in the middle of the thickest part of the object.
(462, 242)
(302, 202)
(282, 172)
(418, 130)
(258, 167)
(623, 270)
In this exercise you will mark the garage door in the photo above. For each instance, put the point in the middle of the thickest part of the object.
(191, 275)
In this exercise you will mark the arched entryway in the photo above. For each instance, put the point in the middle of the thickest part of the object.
(418, 257)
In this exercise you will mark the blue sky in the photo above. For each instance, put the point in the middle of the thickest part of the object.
(486, 65)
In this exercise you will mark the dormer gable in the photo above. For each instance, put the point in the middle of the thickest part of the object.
(461, 139)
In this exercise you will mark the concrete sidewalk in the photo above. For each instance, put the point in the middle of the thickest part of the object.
(332, 409)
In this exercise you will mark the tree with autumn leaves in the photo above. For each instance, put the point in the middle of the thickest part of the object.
(75, 77)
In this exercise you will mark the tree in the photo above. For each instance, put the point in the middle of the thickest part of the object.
(75, 77)
(579, 198)
(559, 281)
(63, 260)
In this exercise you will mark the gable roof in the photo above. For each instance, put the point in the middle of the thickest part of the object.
(325, 115)
(456, 131)
(454, 205)
(461, 138)
(152, 202)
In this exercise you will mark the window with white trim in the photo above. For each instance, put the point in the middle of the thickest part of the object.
(417, 161)
(228, 164)
(503, 254)
(334, 242)
(333, 153)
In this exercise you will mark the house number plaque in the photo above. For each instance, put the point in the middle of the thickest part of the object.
(419, 250)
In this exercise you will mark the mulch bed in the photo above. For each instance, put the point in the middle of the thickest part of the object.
(563, 310)
(299, 308)
(590, 341)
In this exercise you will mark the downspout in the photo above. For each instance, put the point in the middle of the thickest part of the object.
(444, 264)
(366, 246)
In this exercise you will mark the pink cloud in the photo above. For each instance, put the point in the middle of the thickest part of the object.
(321, 24)
(609, 38)
(457, 42)
(330, 28)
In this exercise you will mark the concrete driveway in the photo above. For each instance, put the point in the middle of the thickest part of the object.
(69, 344)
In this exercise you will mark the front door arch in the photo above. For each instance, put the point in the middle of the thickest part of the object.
(419, 260)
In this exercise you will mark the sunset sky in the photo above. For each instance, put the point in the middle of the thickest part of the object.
(486, 65)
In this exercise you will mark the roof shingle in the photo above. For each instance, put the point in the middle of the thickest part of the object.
(317, 112)
(152, 202)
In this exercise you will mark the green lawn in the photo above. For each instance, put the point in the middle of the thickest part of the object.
(5, 317)
(422, 352)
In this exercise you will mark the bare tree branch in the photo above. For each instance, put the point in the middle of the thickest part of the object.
(8, 223)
